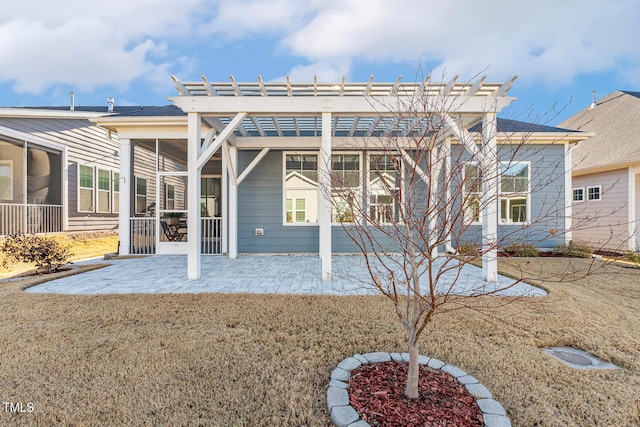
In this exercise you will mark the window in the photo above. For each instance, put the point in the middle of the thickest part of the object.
(301, 188)
(578, 194)
(170, 197)
(296, 210)
(514, 192)
(116, 192)
(85, 179)
(104, 190)
(345, 184)
(6, 180)
(141, 195)
(594, 193)
(384, 188)
(472, 193)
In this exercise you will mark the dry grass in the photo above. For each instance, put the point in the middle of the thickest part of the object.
(265, 360)
(83, 245)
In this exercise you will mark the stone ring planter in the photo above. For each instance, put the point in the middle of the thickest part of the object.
(343, 414)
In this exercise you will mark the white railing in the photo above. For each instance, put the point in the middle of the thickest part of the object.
(30, 219)
(211, 235)
(143, 235)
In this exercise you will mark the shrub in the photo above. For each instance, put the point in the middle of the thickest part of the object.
(575, 248)
(633, 256)
(44, 252)
(521, 250)
(469, 249)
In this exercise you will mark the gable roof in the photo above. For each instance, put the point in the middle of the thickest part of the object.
(516, 126)
(615, 120)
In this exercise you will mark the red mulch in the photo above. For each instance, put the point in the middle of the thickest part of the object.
(376, 392)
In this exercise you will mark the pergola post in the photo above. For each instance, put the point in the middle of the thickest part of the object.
(124, 222)
(232, 168)
(193, 198)
(490, 199)
(324, 205)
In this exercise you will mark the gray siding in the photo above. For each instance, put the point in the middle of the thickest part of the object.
(260, 198)
(603, 223)
(87, 145)
(547, 198)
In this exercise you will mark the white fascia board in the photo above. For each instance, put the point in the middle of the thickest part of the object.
(45, 113)
(283, 105)
(23, 136)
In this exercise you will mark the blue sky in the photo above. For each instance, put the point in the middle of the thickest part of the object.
(561, 50)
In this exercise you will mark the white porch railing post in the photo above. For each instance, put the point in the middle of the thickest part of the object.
(126, 185)
(489, 198)
(324, 207)
(193, 198)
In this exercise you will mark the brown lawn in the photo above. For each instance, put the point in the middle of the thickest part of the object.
(82, 245)
(265, 360)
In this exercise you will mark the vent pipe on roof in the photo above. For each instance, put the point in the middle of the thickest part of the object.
(110, 103)
(593, 100)
(73, 101)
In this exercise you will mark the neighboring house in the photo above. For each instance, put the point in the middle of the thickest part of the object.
(58, 171)
(240, 165)
(606, 172)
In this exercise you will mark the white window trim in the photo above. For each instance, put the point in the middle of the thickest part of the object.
(10, 164)
(359, 192)
(93, 189)
(527, 193)
(589, 199)
(284, 189)
(98, 190)
(583, 194)
(368, 182)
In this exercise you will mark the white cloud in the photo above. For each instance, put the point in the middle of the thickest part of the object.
(544, 40)
(89, 43)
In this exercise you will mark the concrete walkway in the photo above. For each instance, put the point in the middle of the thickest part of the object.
(284, 274)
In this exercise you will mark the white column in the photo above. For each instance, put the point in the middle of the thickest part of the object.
(193, 196)
(568, 195)
(233, 202)
(126, 185)
(224, 194)
(489, 198)
(324, 205)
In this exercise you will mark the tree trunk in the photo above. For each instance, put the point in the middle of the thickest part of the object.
(411, 390)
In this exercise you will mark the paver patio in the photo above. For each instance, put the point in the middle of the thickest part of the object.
(283, 274)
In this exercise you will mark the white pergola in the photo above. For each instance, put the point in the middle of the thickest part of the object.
(286, 115)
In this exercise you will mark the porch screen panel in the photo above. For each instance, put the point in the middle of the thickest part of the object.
(301, 189)
(44, 176)
(6, 180)
(11, 172)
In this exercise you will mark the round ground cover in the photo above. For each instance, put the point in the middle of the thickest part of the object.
(376, 392)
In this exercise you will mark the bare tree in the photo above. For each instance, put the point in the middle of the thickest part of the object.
(432, 187)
